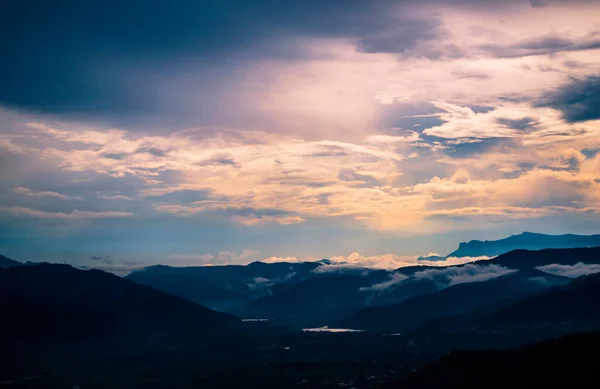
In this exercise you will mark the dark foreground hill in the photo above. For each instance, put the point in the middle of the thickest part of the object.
(7, 262)
(568, 362)
(58, 302)
(224, 288)
(526, 259)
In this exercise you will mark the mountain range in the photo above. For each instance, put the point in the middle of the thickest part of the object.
(319, 293)
(62, 303)
(524, 241)
(7, 262)
(525, 274)
(162, 321)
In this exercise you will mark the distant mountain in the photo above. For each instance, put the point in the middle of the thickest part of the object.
(449, 301)
(51, 301)
(526, 241)
(568, 362)
(225, 288)
(443, 301)
(7, 262)
(524, 259)
(317, 300)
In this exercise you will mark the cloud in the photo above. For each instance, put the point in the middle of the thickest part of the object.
(395, 278)
(463, 274)
(571, 271)
(371, 119)
(193, 35)
(73, 215)
(522, 124)
(55, 195)
(106, 259)
(289, 259)
(578, 100)
(359, 262)
(220, 258)
(355, 268)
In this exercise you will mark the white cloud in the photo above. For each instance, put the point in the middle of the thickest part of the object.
(114, 197)
(386, 261)
(395, 278)
(463, 274)
(289, 259)
(220, 258)
(55, 195)
(571, 271)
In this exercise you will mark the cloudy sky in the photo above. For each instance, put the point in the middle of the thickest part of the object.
(225, 132)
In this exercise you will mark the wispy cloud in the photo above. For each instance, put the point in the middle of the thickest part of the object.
(395, 279)
(115, 197)
(55, 195)
(73, 215)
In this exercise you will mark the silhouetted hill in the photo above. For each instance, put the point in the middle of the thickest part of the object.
(315, 301)
(51, 301)
(563, 363)
(224, 288)
(7, 262)
(449, 301)
(524, 259)
(572, 307)
(525, 241)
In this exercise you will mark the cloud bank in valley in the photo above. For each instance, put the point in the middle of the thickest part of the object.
(571, 271)
(395, 278)
(463, 274)
(356, 261)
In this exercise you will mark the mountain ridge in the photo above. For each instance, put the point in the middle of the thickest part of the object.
(526, 241)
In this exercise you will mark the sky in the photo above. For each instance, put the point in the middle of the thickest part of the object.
(199, 133)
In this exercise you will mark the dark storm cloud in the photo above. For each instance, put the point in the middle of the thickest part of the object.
(106, 57)
(579, 100)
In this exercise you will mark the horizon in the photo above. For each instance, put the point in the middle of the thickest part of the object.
(372, 133)
(354, 261)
